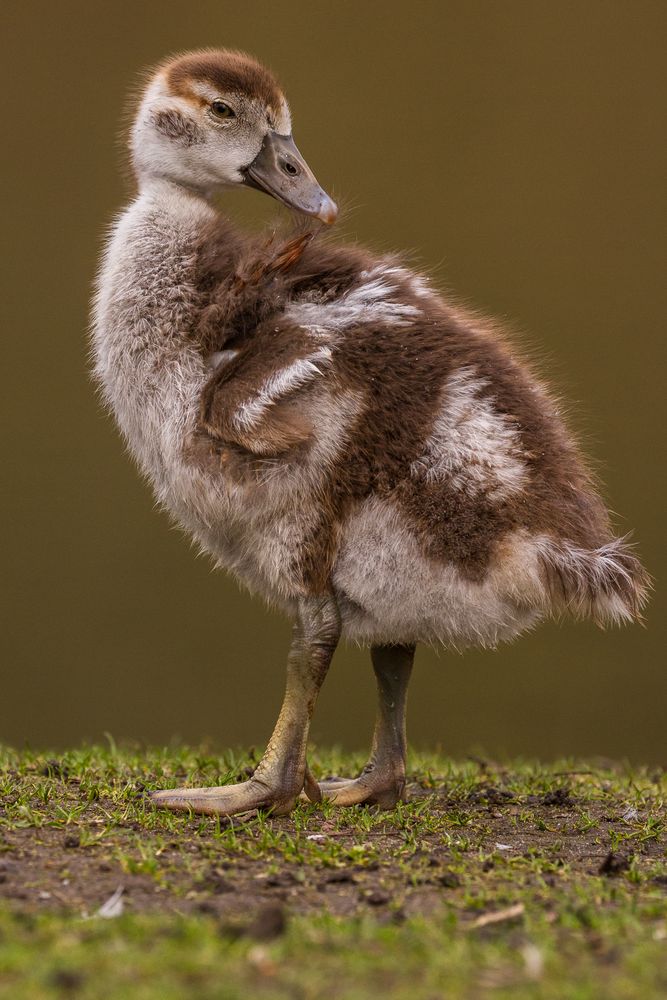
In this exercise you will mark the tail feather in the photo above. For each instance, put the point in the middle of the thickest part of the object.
(608, 584)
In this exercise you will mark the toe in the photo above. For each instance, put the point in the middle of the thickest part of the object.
(360, 791)
(200, 800)
(225, 800)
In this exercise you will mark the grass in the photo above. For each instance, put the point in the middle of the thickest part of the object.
(516, 880)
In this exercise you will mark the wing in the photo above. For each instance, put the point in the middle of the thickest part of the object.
(254, 399)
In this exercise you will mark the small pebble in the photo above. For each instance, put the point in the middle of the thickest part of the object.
(377, 897)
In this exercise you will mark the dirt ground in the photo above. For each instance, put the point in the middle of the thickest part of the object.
(473, 843)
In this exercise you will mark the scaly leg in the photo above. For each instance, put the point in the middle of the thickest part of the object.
(280, 774)
(382, 781)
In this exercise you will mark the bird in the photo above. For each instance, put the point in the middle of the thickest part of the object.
(354, 446)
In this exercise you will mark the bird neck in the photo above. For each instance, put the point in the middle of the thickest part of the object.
(158, 189)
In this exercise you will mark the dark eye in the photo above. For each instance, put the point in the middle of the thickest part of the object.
(222, 110)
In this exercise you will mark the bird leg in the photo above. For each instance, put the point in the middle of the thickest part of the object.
(281, 773)
(382, 781)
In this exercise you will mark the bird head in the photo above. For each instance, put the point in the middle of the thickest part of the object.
(215, 118)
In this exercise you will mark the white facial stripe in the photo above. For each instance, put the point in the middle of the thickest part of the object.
(279, 385)
(472, 445)
(280, 117)
(204, 90)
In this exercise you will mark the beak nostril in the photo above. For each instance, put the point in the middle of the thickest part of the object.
(280, 170)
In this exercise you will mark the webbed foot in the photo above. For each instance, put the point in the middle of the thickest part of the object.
(373, 787)
(228, 800)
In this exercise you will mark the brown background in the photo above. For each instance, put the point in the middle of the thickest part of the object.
(519, 149)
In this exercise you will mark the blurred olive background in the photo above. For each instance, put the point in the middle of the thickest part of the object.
(516, 148)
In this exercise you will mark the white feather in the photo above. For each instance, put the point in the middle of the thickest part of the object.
(280, 385)
(472, 445)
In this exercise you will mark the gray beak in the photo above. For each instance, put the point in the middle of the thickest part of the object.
(281, 171)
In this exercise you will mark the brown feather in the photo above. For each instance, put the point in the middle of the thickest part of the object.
(401, 372)
(229, 71)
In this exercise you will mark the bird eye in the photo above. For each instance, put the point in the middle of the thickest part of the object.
(222, 110)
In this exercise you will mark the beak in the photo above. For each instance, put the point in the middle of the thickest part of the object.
(281, 171)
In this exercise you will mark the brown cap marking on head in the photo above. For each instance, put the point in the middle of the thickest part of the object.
(227, 71)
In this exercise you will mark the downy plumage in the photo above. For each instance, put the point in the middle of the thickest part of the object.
(347, 442)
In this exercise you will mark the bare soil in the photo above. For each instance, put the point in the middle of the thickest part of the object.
(494, 840)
